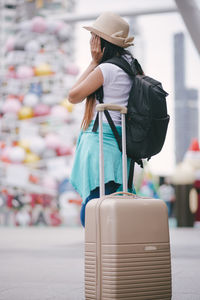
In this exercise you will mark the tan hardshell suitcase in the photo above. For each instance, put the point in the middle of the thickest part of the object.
(127, 249)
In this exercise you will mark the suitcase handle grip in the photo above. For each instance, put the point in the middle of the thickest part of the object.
(115, 107)
(126, 193)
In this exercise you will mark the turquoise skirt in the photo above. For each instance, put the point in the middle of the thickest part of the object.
(85, 172)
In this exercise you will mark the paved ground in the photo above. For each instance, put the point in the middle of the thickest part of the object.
(47, 263)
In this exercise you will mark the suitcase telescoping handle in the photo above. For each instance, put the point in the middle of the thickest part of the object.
(123, 110)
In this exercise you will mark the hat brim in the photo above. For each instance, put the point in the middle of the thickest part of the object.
(108, 38)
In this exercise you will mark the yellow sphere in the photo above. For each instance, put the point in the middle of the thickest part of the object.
(31, 158)
(43, 70)
(69, 106)
(25, 113)
(24, 144)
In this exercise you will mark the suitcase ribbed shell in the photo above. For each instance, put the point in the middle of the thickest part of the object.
(127, 252)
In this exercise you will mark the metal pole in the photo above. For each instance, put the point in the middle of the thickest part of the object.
(124, 156)
(101, 156)
(190, 13)
(74, 17)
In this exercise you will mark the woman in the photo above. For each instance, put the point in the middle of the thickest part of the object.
(109, 38)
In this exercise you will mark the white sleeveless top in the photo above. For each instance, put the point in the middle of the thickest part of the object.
(116, 88)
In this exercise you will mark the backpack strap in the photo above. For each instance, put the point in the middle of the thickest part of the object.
(124, 65)
(131, 173)
(132, 69)
(99, 96)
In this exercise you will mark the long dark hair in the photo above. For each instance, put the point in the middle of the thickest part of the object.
(110, 50)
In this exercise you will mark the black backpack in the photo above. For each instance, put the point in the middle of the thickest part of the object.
(146, 119)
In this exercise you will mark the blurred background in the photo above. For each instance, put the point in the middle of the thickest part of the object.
(43, 50)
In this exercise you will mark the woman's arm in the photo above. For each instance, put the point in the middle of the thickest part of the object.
(92, 78)
(86, 87)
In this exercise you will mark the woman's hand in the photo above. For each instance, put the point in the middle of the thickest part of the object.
(92, 78)
(95, 48)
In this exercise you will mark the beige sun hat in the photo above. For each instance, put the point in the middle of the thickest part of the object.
(112, 28)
